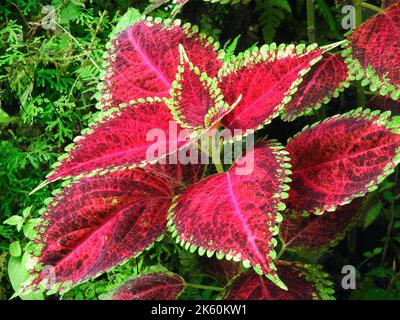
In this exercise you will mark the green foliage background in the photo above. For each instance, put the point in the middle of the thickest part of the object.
(48, 92)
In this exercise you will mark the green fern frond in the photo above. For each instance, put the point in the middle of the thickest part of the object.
(230, 49)
(272, 13)
(325, 11)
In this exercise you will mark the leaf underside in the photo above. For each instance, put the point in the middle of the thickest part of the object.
(325, 80)
(304, 282)
(235, 215)
(372, 52)
(313, 234)
(157, 286)
(220, 270)
(266, 78)
(385, 103)
(340, 159)
(99, 222)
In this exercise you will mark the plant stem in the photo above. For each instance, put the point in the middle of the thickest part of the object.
(371, 6)
(219, 167)
(310, 20)
(358, 11)
(390, 225)
(200, 286)
(361, 100)
(79, 45)
(283, 249)
(216, 154)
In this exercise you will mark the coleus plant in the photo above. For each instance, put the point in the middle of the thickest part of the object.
(116, 203)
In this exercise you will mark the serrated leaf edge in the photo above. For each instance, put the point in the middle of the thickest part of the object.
(268, 53)
(282, 175)
(384, 120)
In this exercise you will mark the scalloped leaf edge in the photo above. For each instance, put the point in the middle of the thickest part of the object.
(268, 53)
(282, 176)
(390, 123)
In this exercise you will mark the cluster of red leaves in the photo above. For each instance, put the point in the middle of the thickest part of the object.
(115, 203)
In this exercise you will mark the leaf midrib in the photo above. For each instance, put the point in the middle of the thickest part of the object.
(341, 158)
(242, 218)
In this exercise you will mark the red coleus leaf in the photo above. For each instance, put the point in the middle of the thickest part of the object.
(342, 158)
(220, 270)
(312, 234)
(143, 59)
(325, 80)
(266, 78)
(196, 100)
(235, 214)
(120, 138)
(151, 286)
(385, 104)
(372, 52)
(304, 282)
(388, 3)
(98, 222)
(179, 175)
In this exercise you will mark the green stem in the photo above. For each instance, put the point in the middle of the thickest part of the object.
(219, 167)
(310, 20)
(79, 45)
(358, 11)
(371, 6)
(200, 286)
(361, 100)
(283, 249)
(390, 225)
(216, 154)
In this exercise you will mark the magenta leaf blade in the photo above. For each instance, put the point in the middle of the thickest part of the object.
(266, 78)
(304, 282)
(144, 58)
(98, 222)
(120, 138)
(151, 286)
(326, 79)
(313, 234)
(236, 215)
(372, 52)
(342, 158)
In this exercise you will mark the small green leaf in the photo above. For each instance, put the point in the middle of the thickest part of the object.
(388, 196)
(29, 228)
(26, 212)
(372, 214)
(15, 249)
(377, 251)
(387, 185)
(368, 254)
(380, 272)
(4, 117)
(131, 16)
(14, 220)
(18, 274)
